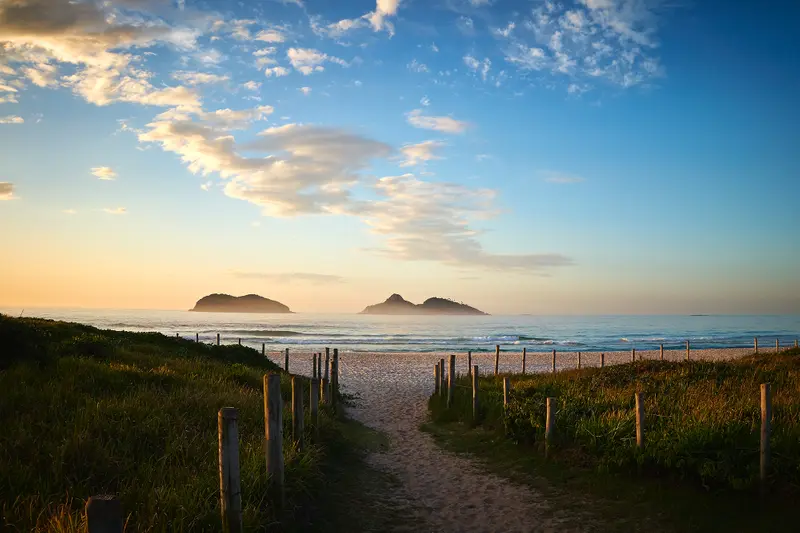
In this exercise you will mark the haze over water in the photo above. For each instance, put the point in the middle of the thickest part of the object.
(353, 332)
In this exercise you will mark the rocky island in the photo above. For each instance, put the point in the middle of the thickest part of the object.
(397, 305)
(250, 303)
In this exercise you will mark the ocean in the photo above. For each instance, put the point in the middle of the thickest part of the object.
(311, 332)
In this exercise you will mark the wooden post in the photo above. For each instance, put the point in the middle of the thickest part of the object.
(325, 391)
(451, 380)
(217, 339)
(436, 378)
(314, 366)
(579, 360)
(755, 344)
(230, 491)
(506, 389)
(602, 360)
(687, 350)
(319, 365)
(475, 394)
(442, 377)
(263, 349)
(554, 361)
(766, 429)
(196, 337)
(496, 359)
(273, 431)
(297, 412)
(313, 405)
(777, 346)
(639, 420)
(335, 378)
(633, 355)
(795, 343)
(550, 425)
(327, 361)
(177, 335)
(469, 363)
(524, 357)
(104, 514)
(661, 352)
(240, 342)
(286, 361)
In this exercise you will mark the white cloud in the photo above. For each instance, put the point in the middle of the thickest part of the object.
(416, 66)
(104, 173)
(425, 101)
(434, 48)
(70, 212)
(273, 35)
(504, 32)
(115, 210)
(480, 67)
(420, 153)
(376, 19)
(479, 3)
(465, 25)
(560, 178)
(6, 190)
(443, 124)
(11, 119)
(252, 85)
(309, 60)
(276, 72)
(198, 78)
(305, 90)
(290, 277)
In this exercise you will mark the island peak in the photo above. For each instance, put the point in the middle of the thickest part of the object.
(249, 303)
(397, 305)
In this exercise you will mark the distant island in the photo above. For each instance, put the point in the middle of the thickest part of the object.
(397, 305)
(250, 303)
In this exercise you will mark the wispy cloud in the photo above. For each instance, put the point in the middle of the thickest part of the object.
(560, 177)
(104, 173)
(420, 153)
(115, 210)
(11, 119)
(310, 60)
(305, 90)
(198, 78)
(291, 277)
(443, 124)
(70, 212)
(6, 190)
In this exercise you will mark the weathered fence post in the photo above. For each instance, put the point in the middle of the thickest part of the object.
(104, 514)
(313, 405)
(230, 491)
(451, 380)
(335, 379)
(436, 378)
(554, 361)
(524, 356)
(766, 430)
(496, 359)
(469, 363)
(240, 341)
(795, 343)
(755, 344)
(550, 425)
(217, 339)
(688, 348)
(177, 335)
(506, 388)
(639, 420)
(777, 346)
(314, 366)
(273, 432)
(327, 361)
(196, 337)
(602, 360)
(297, 412)
(579, 360)
(263, 349)
(661, 352)
(633, 355)
(442, 377)
(286, 361)
(475, 394)
(319, 365)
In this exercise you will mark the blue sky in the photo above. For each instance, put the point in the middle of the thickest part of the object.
(588, 156)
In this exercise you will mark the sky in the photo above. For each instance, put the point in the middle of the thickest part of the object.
(575, 157)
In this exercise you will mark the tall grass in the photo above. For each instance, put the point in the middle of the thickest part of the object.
(702, 418)
(86, 411)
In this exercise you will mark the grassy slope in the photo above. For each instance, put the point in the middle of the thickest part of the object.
(701, 458)
(86, 411)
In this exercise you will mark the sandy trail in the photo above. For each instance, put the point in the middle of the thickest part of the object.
(445, 491)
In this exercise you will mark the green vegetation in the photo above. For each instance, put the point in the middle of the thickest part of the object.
(88, 411)
(701, 454)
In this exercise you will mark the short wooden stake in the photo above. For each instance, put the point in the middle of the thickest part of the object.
(325, 391)
(217, 339)
(436, 378)
(554, 361)
(469, 363)
(230, 491)
(313, 406)
(286, 361)
(319, 365)
(335, 379)
(496, 359)
(314, 366)
(766, 429)
(602, 360)
(451, 380)
(273, 432)
(263, 350)
(327, 361)
(550, 425)
(240, 342)
(579, 360)
(639, 420)
(688, 348)
(506, 389)
(795, 343)
(475, 394)
(104, 514)
(196, 337)
(777, 346)
(177, 335)
(661, 352)
(524, 357)
(755, 344)
(442, 377)
(297, 412)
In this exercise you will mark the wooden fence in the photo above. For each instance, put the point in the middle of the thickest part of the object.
(104, 512)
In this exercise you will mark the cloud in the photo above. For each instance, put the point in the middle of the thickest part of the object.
(416, 66)
(274, 35)
(377, 20)
(252, 85)
(309, 60)
(104, 173)
(480, 67)
(6, 190)
(11, 119)
(198, 78)
(276, 72)
(424, 221)
(561, 178)
(305, 90)
(115, 210)
(420, 153)
(70, 212)
(291, 277)
(465, 25)
(264, 56)
(443, 124)
(425, 101)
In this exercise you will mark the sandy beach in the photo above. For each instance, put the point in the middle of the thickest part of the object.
(393, 389)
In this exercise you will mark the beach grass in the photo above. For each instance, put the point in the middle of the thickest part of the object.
(702, 433)
(88, 411)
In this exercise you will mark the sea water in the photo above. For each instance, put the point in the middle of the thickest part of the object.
(310, 332)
